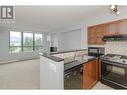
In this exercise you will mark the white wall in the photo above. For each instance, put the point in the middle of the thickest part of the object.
(5, 56)
(54, 39)
(67, 40)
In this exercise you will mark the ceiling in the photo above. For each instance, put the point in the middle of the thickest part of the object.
(51, 18)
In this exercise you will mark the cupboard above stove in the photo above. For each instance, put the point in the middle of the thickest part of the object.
(97, 32)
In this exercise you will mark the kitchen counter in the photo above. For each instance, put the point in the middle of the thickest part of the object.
(52, 67)
(58, 52)
(80, 61)
(56, 59)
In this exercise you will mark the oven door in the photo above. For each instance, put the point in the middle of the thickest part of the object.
(114, 73)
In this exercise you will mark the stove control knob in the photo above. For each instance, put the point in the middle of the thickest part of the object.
(106, 58)
(123, 61)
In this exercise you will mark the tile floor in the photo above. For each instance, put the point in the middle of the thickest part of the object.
(25, 75)
(100, 86)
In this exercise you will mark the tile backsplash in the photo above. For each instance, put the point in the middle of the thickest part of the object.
(116, 47)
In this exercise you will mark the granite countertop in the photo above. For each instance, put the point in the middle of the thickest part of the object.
(78, 62)
(57, 59)
(58, 52)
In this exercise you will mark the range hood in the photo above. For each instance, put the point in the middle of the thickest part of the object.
(119, 37)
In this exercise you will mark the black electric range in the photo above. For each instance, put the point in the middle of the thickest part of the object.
(114, 70)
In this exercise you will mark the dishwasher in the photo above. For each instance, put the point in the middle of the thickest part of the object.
(73, 77)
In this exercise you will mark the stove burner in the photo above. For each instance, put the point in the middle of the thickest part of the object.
(123, 57)
(111, 55)
(115, 58)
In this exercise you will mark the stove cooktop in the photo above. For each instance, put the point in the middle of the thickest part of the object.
(115, 58)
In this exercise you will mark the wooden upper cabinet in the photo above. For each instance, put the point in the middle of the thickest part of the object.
(112, 28)
(100, 32)
(95, 34)
(122, 26)
(116, 27)
(91, 35)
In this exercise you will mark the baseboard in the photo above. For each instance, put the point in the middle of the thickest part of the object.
(11, 61)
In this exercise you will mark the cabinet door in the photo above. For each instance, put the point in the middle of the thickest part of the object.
(100, 32)
(91, 35)
(90, 74)
(87, 75)
(112, 28)
(95, 71)
(122, 26)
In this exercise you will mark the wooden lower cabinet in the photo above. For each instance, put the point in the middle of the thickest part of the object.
(90, 73)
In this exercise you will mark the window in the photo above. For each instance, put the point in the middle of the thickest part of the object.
(38, 41)
(15, 42)
(27, 42)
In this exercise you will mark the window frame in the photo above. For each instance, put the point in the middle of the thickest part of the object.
(23, 42)
(22, 39)
(35, 41)
(10, 42)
